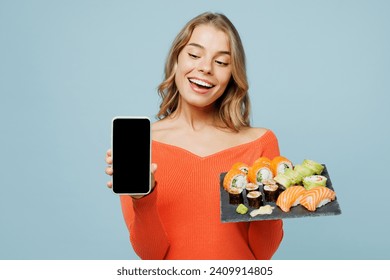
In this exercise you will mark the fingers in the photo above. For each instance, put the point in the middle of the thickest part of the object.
(109, 156)
(109, 170)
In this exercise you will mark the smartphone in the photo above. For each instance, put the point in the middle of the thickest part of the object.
(131, 155)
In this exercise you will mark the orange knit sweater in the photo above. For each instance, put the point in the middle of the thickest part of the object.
(180, 219)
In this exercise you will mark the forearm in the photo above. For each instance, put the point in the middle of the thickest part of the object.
(147, 234)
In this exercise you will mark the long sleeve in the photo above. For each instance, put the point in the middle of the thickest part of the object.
(149, 239)
(180, 219)
(266, 236)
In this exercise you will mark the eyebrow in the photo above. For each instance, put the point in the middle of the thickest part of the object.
(202, 47)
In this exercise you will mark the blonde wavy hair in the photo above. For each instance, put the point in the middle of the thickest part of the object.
(233, 107)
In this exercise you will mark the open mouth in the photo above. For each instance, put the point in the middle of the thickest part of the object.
(201, 84)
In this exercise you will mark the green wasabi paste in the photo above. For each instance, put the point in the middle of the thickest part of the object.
(241, 209)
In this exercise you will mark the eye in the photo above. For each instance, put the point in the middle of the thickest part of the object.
(221, 63)
(193, 56)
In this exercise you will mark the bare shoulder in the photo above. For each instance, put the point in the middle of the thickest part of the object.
(162, 129)
(158, 125)
(253, 133)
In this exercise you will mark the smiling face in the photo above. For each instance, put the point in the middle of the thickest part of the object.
(203, 68)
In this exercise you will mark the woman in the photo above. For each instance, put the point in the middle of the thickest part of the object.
(203, 129)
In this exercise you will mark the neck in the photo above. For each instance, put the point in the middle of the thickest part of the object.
(195, 119)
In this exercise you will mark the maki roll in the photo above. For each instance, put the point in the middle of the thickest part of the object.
(294, 176)
(314, 181)
(283, 180)
(235, 196)
(255, 199)
(279, 165)
(288, 178)
(264, 160)
(316, 167)
(303, 170)
(259, 171)
(234, 179)
(271, 192)
(241, 166)
(250, 187)
(269, 182)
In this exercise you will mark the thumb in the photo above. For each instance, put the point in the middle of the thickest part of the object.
(153, 167)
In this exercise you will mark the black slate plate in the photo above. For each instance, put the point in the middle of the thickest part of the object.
(229, 214)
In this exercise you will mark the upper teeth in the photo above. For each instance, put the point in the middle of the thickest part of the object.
(201, 83)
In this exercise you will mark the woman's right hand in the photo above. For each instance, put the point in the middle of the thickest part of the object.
(109, 168)
(109, 171)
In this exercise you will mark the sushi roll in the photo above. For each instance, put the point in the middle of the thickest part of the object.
(317, 197)
(294, 176)
(255, 199)
(269, 182)
(250, 187)
(314, 181)
(316, 167)
(290, 198)
(264, 160)
(234, 179)
(259, 171)
(235, 196)
(288, 178)
(271, 192)
(279, 165)
(241, 166)
(303, 170)
(283, 180)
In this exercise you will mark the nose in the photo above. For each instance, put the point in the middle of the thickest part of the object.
(205, 66)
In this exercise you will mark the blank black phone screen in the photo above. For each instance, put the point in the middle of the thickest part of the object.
(131, 155)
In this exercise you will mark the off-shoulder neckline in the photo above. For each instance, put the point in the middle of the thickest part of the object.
(249, 143)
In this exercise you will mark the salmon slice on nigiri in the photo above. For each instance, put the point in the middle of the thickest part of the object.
(317, 197)
(290, 197)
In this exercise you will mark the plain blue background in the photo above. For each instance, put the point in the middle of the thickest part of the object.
(319, 78)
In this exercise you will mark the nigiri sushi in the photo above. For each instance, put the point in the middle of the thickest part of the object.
(317, 197)
(290, 197)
